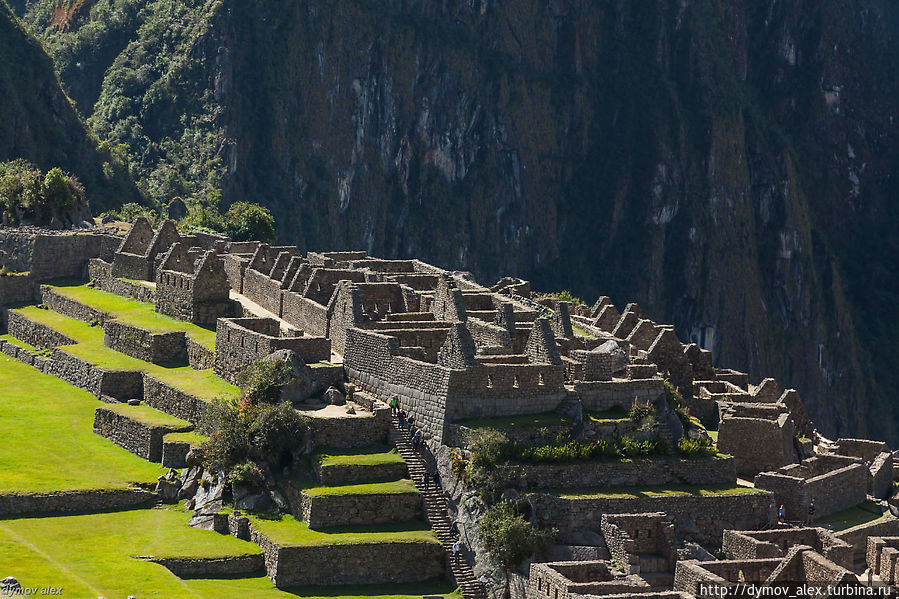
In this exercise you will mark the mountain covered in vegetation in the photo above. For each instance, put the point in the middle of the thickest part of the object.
(728, 164)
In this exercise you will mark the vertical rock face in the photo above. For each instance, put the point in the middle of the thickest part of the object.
(726, 163)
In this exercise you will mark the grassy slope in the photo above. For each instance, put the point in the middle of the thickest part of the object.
(133, 312)
(396, 487)
(201, 383)
(48, 440)
(147, 415)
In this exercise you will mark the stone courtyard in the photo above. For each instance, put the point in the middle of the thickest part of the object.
(691, 462)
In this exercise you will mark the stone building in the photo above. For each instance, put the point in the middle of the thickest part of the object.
(192, 285)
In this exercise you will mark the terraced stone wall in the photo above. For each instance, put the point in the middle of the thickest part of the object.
(100, 273)
(351, 432)
(74, 501)
(172, 401)
(138, 438)
(158, 348)
(120, 385)
(34, 333)
(323, 511)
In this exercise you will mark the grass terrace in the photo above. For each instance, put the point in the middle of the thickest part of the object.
(194, 438)
(147, 415)
(396, 487)
(611, 415)
(582, 332)
(379, 455)
(288, 531)
(89, 347)
(48, 439)
(518, 421)
(657, 491)
(18, 343)
(139, 314)
(864, 513)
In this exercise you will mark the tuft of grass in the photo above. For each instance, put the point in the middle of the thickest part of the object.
(139, 314)
(582, 332)
(288, 531)
(396, 487)
(48, 440)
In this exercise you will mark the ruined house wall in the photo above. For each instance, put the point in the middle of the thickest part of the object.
(759, 445)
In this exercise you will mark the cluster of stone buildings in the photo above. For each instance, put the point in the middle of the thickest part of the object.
(451, 350)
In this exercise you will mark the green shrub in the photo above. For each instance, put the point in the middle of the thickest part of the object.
(26, 195)
(696, 447)
(508, 538)
(633, 448)
(488, 447)
(228, 442)
(249, 475)
(672, 395)
(262, 380)
(276, 432)
(249, 222)
(640, 412)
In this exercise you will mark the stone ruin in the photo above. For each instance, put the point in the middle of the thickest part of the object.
(365, 330)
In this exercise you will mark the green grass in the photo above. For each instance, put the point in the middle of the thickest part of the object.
(194, 438)
(582, 332)
(380, 455)
(863, 513)
(659, 491)
(396, 487)
(147, 415)
(48, 442)
(610, 415)
(139, 314)
(713, 435)
(288, 531)
(89, 347)
(19, 343)
(520, 421)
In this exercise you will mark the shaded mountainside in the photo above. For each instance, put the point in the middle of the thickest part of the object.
(40, 124)
(726, 163)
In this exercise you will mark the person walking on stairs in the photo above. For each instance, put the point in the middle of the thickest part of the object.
(457, 551)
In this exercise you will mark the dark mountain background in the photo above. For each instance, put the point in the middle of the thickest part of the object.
(728, 164)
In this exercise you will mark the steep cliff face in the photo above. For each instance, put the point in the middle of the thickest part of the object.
(726, 163)
(39, 123)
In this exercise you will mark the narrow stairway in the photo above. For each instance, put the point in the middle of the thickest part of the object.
(435, 511)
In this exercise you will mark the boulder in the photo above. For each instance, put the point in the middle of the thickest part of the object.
(258, 502)
(334, 397)
(190, 482)
(300, 385)
(210, 491)
(620, 360)
(194, 457)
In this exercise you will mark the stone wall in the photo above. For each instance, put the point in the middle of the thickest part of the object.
(738, 544)
(212, 567)
(699, 518)
(100, 273)
(141, 439)
(344, 474)
(759, 445)
(604, 395)
(306, 315)
(832, 492)
(263, 290)
(614, 473)
(49, 255)
(198, 355)
(73, 501)
(158, 348)
(120, 385)
(857, 535)
(370, 563)
(172, 401)
(351, 431)
(69, 307)
(34, 333)
(19, 288)
(323, 511)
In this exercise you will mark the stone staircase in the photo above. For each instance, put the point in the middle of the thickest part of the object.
(435, 511)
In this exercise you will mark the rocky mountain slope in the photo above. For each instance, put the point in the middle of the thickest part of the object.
(729, 164)
(40, 124)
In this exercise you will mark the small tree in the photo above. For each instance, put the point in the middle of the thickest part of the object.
(277, 432)
(509, 538)
(228, 433)
(248, 222)
(262, 380)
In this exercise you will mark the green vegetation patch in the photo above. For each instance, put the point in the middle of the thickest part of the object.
(864, 513)
(658, 491)
(18, 343)
(379, 455)
(48, 440)
(519, 421)
(146, 415)
(610, 415)
(194, 438)
(582, 332)
(89, 347)
(288, 531)
(139, 314)
(95, 555)
(396, 487)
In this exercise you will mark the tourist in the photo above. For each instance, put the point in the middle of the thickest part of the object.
(435, 474)
(394, 405)
(454, 529)
(811, 512)
(814, 437)
(457, 551)
(417, 439)
(782, 514)
(483, 581)
(772, 515)
(411, 422)
(427, 480)
(401, 419)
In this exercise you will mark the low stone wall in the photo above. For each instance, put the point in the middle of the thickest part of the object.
(69, 307)
(881, 479)
(158, 348)
(17, 289)
(199, 356)
(741, 544)
(457, 434)
(345, 474)
(352, 431)
(857, 536)
(369, 563)
(323, 511)
(120, 385)
(100, 273)
(172, 401)
(34, 333)
(615, 473)
(604, 395)
(137, 437)
(212, 567)
(699, 518)
(174, 453)
(832, 492)
(105, 500)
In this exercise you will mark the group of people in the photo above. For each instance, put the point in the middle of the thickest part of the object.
(779, 516)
